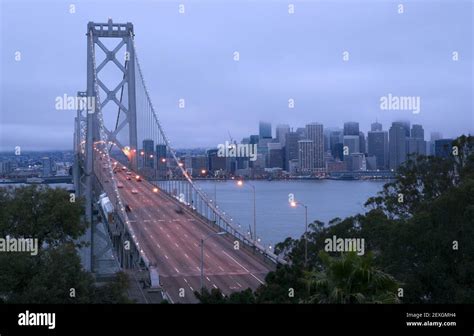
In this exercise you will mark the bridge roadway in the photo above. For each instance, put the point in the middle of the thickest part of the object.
(172, 242)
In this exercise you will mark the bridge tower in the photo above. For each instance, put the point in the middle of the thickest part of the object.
(125, 63)
(123, 33)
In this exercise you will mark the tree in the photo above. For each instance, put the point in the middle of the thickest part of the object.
(46, 213)
(55, 274)
(350, 279)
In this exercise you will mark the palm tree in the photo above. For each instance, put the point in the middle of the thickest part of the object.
(350, 279)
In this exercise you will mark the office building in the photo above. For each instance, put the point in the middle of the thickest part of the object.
(281, 132)
(148, 153)
(417, 132)
(314, 132)
(335, 137)
(351, 128)
(306, 156)
(265, 130)
(275, 155)
(378, 148)
(351, 142)
(362, 146)
(397, 145)
(291, 148)
(376, 127)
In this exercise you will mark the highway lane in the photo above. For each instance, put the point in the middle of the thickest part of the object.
(172, 242)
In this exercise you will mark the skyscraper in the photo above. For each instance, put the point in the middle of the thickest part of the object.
(314, 132)
(291, 148)
(378, 147)
(306, 155)
(362, 146)
(406, 126)
(417, 132)
(376, 127)
(433, 137)
(335, 137)
(352, 143)
(397, 145)
(275, 155)
(281, 131)
(148, 151)
(161, 163)
(265, 130)
(416, 143)
(351, 128)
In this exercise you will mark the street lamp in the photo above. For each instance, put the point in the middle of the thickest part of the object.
(294, 204)
(241, 183)
(202, 254)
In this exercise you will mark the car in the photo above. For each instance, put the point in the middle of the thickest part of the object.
(129, 173)
(134, 191)
(119, 185)
(138, 178)
(128, 178)
(127, 208)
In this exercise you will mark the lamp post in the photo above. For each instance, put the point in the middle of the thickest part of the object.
(241, 183)
(294, 204)
(202, 254)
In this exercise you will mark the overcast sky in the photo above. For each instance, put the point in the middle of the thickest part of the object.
(282, 56)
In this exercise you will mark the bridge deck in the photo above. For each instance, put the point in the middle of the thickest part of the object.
(172, 242)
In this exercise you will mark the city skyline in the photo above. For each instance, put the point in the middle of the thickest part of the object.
(406, 58)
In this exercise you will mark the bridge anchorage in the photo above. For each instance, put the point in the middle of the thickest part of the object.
(148, 216)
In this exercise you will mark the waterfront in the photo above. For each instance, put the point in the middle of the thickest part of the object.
(276, 220)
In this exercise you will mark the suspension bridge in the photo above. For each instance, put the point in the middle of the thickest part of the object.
(143, 207)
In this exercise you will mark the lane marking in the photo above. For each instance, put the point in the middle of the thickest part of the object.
(177, 271)
(236, 261)
(221, 268)
(176, 244)
(214, 285)
(238, 284)
(186, 255)
(166, 256)
(257, 279)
